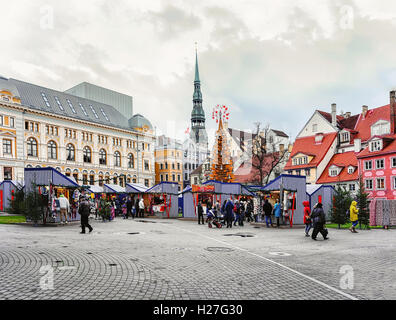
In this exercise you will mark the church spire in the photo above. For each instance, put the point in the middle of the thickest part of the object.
(196, 66)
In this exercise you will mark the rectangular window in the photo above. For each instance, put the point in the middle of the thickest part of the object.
(94, 112)
(147, 183)
(393, 162)
(352, 187)
(173, 177)
(59, 104)
(26, 125)
(7, 146)
(91, 180)
(146, 165)
(314, 127)
(83, 109)
(394, 182)
(12, 122)
(307, 172)
(380, 184)
(7, 173)
(71, 106)
(376, 145)
(45, 100)
(178, 177)
(379, 164)
(1, 120)
(368, 165)
(369, 184)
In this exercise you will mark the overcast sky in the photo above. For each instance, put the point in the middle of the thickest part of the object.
(270, 61)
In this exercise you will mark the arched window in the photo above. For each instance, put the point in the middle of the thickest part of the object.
(70, 152)
(52, 150)
(131, 161)
(29, 166)
(100, 179)
(102, 157)
(87, 154)
(32, 147)
(68, 172)
(107, 178)
(115, 178)
(85, 177)
(92, 178)
(117, 159)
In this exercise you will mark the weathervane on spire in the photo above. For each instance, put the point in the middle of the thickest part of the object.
(221, 113)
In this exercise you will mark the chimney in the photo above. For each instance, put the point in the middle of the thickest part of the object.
(364, 111)
(347, 115)
(358, 145)
(334, 115)
(392, 111)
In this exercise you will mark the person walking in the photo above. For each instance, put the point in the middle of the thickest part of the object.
(64, 206)
(277, 212)
(249, 211)
(129, 206)
(84, 211)
(200, 213)
(237, 212)
(241, 213)
(319, 220)
(353, 216)
(141, 208)
(229, 213)
(267, 208)
(307, 218)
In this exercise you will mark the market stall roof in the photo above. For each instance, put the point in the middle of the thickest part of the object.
(17, 184)
(165, 187)
(46, 176)
(312, 188)
(135, 188)
(95, 189)
(289, 182)
(113, 188)
(186, 189)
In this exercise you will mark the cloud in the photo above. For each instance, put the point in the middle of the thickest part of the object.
(270, 61)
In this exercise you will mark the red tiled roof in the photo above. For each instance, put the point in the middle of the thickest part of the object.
(343, 160)
(342, 123)
(307, 145)
(389, 147)
(363, 126)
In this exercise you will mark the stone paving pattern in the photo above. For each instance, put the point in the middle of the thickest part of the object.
(173, 259)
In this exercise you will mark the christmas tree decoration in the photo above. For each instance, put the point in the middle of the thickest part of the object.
(222, 165)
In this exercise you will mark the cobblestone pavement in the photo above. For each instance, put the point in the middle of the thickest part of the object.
(173, 259)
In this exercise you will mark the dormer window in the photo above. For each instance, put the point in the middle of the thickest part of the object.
(344, 137)
(351, 170)
(375, 145)
(380, 128)
(333, 172)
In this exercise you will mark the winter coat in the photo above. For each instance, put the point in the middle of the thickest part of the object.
(277, 210)
(307, 212)
(318, 216)
(84, 209)
(229, 210)
(129, 205)
(353, 212)
(200, 210)
(63, 203)
(267, 207)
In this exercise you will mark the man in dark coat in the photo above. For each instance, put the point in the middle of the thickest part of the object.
(137, 207)
(84, 209)
(200, 213)
(129, 205)
(229, 213)
(319, 219)
(267, 207)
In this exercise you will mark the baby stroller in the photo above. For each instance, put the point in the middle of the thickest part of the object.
(213, 219)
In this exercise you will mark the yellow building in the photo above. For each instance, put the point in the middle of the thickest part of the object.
(168, 161)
